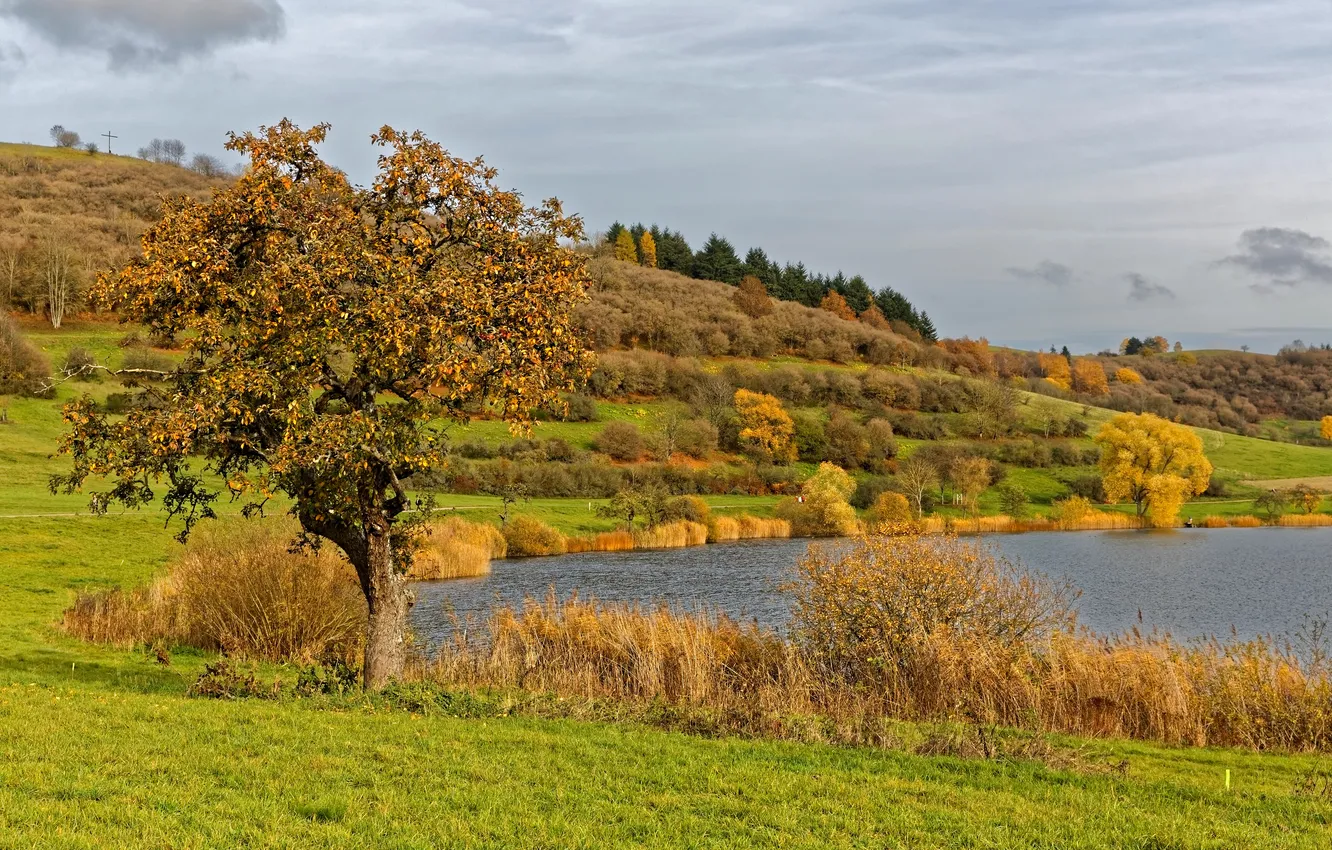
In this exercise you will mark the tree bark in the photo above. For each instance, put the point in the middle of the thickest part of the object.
(389, 601)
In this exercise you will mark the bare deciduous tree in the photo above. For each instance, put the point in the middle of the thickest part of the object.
(64, 138)
(11, 269)
(57, 270)
(917, 477)
(208, 166)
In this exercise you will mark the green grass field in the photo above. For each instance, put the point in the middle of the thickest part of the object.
(101, 747)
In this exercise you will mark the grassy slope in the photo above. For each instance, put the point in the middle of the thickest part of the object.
(101, 748)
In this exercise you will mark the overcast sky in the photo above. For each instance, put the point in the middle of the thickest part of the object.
(1032, 171)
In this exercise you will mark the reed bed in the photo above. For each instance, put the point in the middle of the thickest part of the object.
(1245, 521)
(1215, 522)
(724, 529)
(1004, 524)
(1305, 520)
(1007, 654)
(608, 541)
(240, 591)
(457, 548)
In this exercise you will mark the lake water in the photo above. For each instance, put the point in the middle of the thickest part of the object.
(1191, 583)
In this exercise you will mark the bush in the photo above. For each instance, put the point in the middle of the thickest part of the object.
(529, 537)
(582, 408)
(865, 612)
(1089, 487)
(79, 363)
(697, 438)
(621, 440)
(890, 509)
(823, 510)
(23, 368)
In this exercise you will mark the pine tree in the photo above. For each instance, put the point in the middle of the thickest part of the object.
(674, 253)
(858, 294)
(647, 250)
(613, 232)
(926, 327)
(758, 265)
(718, 261)
(624, 247)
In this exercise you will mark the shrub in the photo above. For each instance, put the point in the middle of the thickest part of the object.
(23, 368)
(1089, 487)
(621, 440)
(688, 508)
(581, 408)
(1013, 500)
(882, 444)
(697, 438)
(868, 611)
(1071, 511)
(848, 441)
(79, 363)
(456, 548)
(529, 537)
(890, 509)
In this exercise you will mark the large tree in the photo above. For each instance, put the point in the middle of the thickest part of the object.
(328, 330)
(717, 261)
(1153, 462)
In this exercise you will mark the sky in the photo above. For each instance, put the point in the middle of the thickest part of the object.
(1035, 172)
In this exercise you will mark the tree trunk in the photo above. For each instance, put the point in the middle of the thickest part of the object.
(389, 600)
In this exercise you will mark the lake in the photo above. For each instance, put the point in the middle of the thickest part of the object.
(1192, 583)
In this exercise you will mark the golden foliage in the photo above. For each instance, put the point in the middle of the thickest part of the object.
(529, 537)
(1070, 512)
(766, 426)
(823, 509)
(1155, 463)
(890, 509)
(1056, 370)
(746, 527)
(456, 548)
(752, 298)
(834, 303)
(875, 318)
(1126, 375)
(647, 250)
(1089, 377)
(625, 250)
(1325, 428)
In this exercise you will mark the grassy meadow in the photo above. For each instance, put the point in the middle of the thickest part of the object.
(102, 747)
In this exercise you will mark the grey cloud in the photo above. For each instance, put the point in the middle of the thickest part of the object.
(136, 33)
(1054, 274)
(1142, 289)
(1282, 257)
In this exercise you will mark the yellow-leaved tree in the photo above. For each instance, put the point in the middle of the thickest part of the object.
(647, 250)
(1089, 377)
(1325, 428)
(1056, 370)
(824, 508)
(624, 247)
(765, 427)
(1128, 376)
(1154, 463)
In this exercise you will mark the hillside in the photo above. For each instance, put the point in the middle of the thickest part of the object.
(84, 211)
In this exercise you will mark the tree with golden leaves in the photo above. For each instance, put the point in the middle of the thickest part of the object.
(328, 329)
(1089, 377)
(765, 426)
(1325, 428)
(1128, 376)
(875, 318)
(824, 509)
(834, 303)
(1056, 370)
(1154, 463)
(751, 298)
(625, 249)
(647, 250)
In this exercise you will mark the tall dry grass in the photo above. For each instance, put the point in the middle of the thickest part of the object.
(1004, 524)
(724, 529)
(905, 628)
(1305, 520)
(456, 548)
(241, 591)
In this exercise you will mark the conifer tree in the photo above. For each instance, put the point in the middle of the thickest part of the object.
(647, 250)
(718, 261)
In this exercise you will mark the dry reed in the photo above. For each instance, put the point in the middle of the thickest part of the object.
(992, 671)
(723, 529)
(241, 591)
(456, 548)
(1245, 522)
(1305, 520)
(1004, 524)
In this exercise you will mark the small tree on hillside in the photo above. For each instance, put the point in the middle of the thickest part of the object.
(918, 477)
(327, 329)
(765, 426)
(836, 304)
(64, 138)
(624, 247)
(647, 250)
(208, 166)
(1325, 428)
(1089, 377)
(751, 298)
(57, 267)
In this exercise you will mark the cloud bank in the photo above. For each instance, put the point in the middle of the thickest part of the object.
(1142, 289)
(1054, 274)
(1282, 257)
(138, 33)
